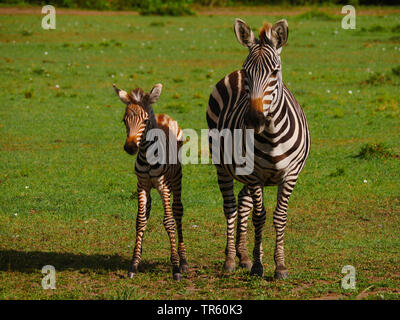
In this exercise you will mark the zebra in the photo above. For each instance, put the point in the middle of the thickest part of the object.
(166, 177)
(256, 98)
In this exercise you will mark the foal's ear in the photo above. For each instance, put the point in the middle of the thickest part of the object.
(155, 93)
(123, 95)
(243, 33)
(279, 34)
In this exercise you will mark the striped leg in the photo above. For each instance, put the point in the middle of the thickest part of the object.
(245, 204)
(169, 225)
(280, 218)
(148, 209)
(225, 183)
(256, 193)
(148, 206)
(141, 222)
(177, 209)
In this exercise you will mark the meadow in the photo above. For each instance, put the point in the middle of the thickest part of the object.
(68, 190)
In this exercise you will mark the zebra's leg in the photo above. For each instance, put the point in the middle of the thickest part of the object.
(148, 209)
(225, 183)
(169, 225)
(141, 222)
(148, 206)
(280, 217)
(245, 204)
(177, 209)
(256, 193)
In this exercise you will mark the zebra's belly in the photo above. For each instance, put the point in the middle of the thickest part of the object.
(274, 179)
(168, 173)
(149, 171)
(152, 181)
(266, 177)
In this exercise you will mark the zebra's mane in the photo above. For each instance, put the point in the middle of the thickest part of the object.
(266, 33)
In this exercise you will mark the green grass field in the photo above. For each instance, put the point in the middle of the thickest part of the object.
(68, 190)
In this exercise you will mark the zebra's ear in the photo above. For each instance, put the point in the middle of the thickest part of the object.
(155, 93)
(279, 34)
(123, 95)
(243, 33)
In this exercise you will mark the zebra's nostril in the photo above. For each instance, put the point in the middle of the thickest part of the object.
(255, 120)
(131, 149)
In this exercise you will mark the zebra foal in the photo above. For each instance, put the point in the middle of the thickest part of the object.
(166, 177)
(256, 98)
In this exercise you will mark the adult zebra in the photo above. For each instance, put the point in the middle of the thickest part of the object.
(255, 97)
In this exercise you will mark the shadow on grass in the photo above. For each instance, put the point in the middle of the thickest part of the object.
(31, 262)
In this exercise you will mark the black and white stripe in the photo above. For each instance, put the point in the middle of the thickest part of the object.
(256, 98)
(165, 177)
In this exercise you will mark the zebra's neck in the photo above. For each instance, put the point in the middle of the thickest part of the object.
(152, 119)
(277, 116)
(145, 144)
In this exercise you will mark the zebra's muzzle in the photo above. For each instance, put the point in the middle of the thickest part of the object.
(130, 148)
(255, 119)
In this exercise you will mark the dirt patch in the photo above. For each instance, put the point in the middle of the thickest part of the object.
(251, 11)
(298, 290)
(289, 11)
(63, 11)
(371, 291)
(329, 296)
(226, 11)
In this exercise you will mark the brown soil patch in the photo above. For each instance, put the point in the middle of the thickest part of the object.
(290, 11)
(226, 11)
(64, 11)
(251, 11)
(329, 296)
(371, 291)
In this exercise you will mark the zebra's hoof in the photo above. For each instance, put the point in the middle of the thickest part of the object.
(184, 267)
(246, 264)
(131, 274)
(281, 274)
(229, 266)
(177, 276)
(257, 270)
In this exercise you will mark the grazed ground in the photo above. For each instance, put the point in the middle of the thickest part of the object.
(67, 189)
(220, 11)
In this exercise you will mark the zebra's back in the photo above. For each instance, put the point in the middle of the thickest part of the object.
(169, 125)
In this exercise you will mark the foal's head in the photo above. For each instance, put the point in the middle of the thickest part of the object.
(138, 113)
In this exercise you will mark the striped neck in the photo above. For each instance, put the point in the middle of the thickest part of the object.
(151, 124)
(277, 115)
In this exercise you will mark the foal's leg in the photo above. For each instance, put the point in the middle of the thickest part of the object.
(169, 225)
(280, 218)
(245, 204)
(148, 209)
(177, 209)
(258, 222)
(143, 190)
(225, 183)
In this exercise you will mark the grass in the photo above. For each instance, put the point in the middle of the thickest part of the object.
(67, 189)
(315, 14)
(375, 150)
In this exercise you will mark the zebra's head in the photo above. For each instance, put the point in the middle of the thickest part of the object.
(263, 69)
(138, 113)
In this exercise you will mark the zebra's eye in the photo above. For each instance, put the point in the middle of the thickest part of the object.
(275, 73)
